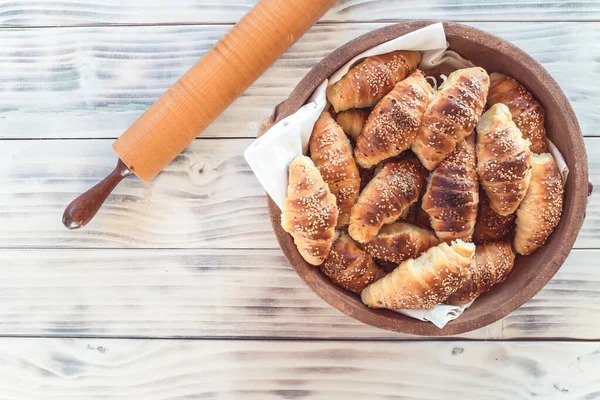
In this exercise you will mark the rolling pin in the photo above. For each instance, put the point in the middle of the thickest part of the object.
(237, 60)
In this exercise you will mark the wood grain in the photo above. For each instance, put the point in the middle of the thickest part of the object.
(207, 198)
(47, 12)
(157, 370)
(95, 82)
(209, 87)
(234, 294)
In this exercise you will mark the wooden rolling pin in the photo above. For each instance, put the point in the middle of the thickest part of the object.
(201, 95)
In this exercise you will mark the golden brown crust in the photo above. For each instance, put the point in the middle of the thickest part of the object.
(399, 241)
(540, 211)
(370, 80)
(423, 282)
(526, 112)
(491, 265)
(394, 122)
(452, 195)
(331, 152)
(349, 267)
(490, 225)
(451, 115)
(352, 121)
(503, 160)
(385, 198)
(309, 211)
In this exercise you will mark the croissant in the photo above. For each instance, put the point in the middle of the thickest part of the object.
(385, 198)
(526, 112)
(352, 121)
(425, 281)
(370, 80)
(399, 241)
(393, 123)
(492, 264)
(309, 212)
(452, 195)
(541, 209)
(331, 152)
(503, 160)
(349, 267)
(451, 115)
(490, 225)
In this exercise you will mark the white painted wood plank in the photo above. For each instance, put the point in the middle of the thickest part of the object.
(157, 370)
(49, 12)
(235, 294)
(95, 82)
(207, 198)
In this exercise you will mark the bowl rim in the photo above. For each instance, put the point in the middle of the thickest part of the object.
(386, 319)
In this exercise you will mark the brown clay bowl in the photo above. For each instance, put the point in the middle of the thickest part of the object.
(530, 273)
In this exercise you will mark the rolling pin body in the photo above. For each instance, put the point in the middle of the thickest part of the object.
(214, 82)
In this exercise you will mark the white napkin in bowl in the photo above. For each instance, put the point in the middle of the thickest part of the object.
(439, 315)
(270, 155)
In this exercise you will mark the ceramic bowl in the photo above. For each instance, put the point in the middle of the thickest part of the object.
(530, 273)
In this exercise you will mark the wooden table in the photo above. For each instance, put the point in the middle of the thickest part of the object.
(178, 288)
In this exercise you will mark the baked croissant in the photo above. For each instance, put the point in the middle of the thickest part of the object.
(452, 195)
(399, 241)
(309, 211)
(393, 123)
(349, 267)
(490, 225)
(425, 281)
(451, 115)
(503, 160)
(352, 121)
(370, 80)
(492, 264)
(385, 198)
(526, 112)
(541, 209)
(331, 152)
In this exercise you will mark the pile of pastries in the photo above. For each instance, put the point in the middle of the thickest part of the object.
(414, 196)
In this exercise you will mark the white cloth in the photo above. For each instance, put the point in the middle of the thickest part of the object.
(270, 155)
(439, 315)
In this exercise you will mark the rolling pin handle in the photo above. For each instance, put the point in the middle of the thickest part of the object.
(81, 210)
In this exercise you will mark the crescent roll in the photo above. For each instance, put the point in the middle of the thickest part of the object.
(492, 264)
(349, 267)
(399, 241)
(451, 115)
(526, 112)
(452, 195)
(423, 282)
(541, 209)
(385, 198)
(310, 212)
(490, 225)
(367, 82)
(503, 160)
(352, 121)
(331, 152)
(393, 123)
